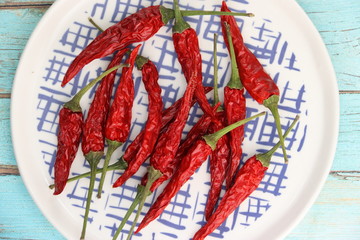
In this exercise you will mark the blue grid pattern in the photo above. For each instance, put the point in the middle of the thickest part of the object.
(268, 45)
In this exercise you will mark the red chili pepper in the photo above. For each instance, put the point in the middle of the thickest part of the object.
(189, 164)
(137, 27)
(94, 125)
(247, 180)
(150, 78)
(219, 162)
(219, 159)
(118, 122)
(186, 45)
(69, 134)
(235, 110)
(256, 81)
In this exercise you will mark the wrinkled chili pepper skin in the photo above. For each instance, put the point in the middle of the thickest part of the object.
(186, 46)
(168, 143)
(235, 110)
(253, 76)
(219, 162)
(192, 161)
(69, 135)
(94, 139)
(150, 78)
(119, 119)
(167, 116)
(137, 27)
(247, 180)
(197, 131)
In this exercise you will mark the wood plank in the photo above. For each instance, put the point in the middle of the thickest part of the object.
(6, 170)
(335, 214)
(13, 38)
(20, 217)
(6, 150)
(339, 27)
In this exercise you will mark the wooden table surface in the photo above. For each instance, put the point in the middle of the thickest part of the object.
(336, 212)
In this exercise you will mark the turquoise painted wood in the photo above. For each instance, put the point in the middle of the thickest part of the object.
(335, 214)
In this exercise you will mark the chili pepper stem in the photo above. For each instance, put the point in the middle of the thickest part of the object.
(154, 174)
(216, 76)
(235, 82)
(112, 146)
(119, 165)
(74, 103)
(140, 190)
(180, 24)
(95, 24)
(168, 14)
(265, 158)
(212, 139)
(93, 159)
(272, 104)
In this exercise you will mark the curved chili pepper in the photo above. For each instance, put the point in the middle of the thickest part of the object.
(150, 78)
(69, 134)
(256, 81)
(119, 118)
(235, 110)
(219, 159)
(246, 181)
(189, 164)
(135, 28)
(186, 46)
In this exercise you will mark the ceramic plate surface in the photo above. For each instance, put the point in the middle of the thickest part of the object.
(288, 46)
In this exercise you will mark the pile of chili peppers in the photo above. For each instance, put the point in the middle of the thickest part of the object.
(218, 134)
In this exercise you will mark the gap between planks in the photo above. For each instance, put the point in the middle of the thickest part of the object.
(21, 5)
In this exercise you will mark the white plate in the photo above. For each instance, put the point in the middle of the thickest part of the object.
(286, 43)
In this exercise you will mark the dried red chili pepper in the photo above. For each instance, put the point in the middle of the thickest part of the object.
(69, 134)
(186, 46)
(189, 164)
(137, 27)
(150, 78)
(94, 126)
(118, 122)
(219, 159)
(235, 110)
(256, 81)
(247, 180)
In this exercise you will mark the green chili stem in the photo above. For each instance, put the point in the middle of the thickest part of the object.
(211, 139)
(216, 76)
(272, 104)
(235, 82)
(112, 146)
(74, 103)
(93, 159)
(152, 177)
(265, 158)
(187, 13)
(95, 25)
(180, 24)
(140, 190)
(119, 165)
